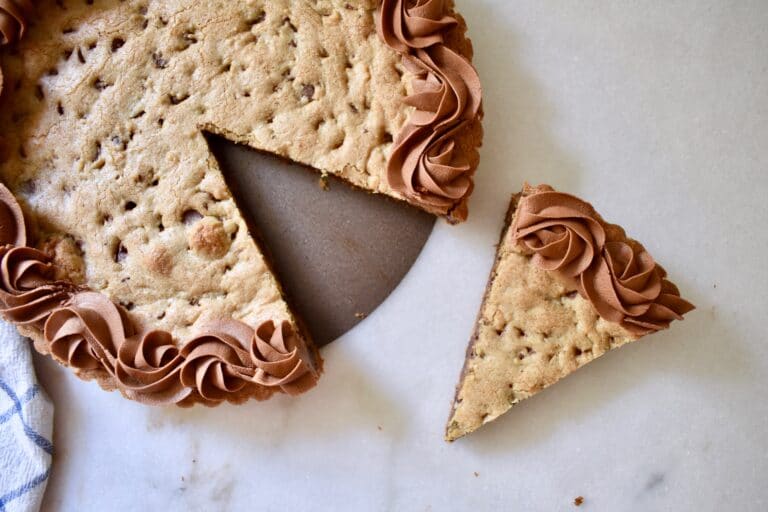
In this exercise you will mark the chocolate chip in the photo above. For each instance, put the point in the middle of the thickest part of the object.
(308, 91)
(258, 19)
(27, 187)
(117, 141)
(117, 43)
(191, 216)
(287, 21)
(160, 62)
(121, 253)
(100, 84)
(177, 99)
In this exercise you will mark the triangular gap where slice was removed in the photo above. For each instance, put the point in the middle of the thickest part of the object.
(337, 251)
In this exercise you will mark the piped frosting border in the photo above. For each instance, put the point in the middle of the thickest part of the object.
(428, 163)
(82, 329)
(616, 274)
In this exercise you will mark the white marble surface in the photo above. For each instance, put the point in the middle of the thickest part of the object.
(657, 111)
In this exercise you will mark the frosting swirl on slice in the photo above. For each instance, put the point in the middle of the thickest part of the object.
(87, 332)
(617, 275)
(275, 353)
(409, 24)
(148, 369)
(216, 362)
(561, 231)
(626, 286)
(427, 164)
(28, 293)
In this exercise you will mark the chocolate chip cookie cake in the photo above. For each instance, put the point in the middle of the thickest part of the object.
(124, 254)
(566, 288)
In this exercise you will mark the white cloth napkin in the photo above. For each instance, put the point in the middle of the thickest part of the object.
(26, 426)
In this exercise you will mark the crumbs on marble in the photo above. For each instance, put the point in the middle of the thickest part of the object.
(477, 474)
(578, 501)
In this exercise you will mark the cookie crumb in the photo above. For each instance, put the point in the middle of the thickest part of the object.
(578, 501)
(361, 315)
(477, 474)
(324, 182)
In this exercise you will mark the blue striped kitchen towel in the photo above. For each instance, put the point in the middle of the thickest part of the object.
(26, 425)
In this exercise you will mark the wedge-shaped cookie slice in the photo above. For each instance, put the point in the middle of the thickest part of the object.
(566, 288)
